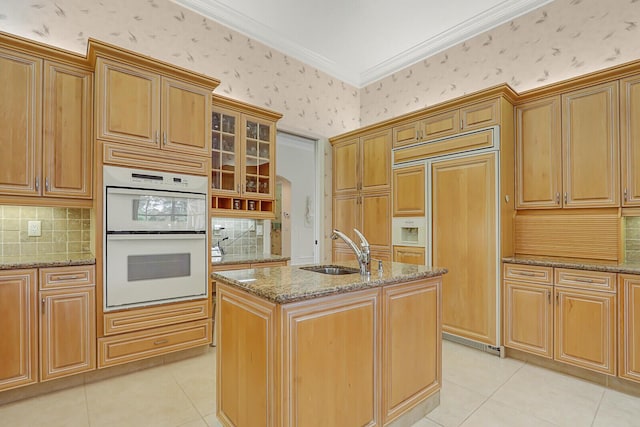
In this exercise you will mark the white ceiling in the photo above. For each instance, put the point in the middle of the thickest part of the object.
(361, 41)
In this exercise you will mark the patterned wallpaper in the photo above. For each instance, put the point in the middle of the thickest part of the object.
(562, 39)
(310, 100)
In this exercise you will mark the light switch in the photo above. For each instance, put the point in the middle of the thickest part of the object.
(34, 229)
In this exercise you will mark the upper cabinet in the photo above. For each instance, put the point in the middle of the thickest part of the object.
(362, 164)
(46, 116)
(148, 103)
(409, 191)
(630, 140)
(243, 141)
(439, 125)
(567, 150)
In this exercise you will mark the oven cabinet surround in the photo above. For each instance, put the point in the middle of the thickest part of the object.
(362, 191)
(564, 314)
(47, 121)
(149, 103)
(243, 159)
(371, 356)
(48, 324)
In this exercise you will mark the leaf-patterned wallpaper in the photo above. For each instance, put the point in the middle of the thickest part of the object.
(311, 101)
(563, 39)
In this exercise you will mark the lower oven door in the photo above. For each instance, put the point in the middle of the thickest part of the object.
(145, 269)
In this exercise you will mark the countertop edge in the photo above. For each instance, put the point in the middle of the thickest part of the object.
(578, 265)
(17, 265)
(250, 260)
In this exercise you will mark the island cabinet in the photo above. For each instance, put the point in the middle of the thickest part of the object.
(366, 357)
(565, 314)
(567, 150)
(18, 323)
(243, 173)
(46, 116)
(150, 104)
(629, 327)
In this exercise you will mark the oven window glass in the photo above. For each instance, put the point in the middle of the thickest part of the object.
(165, 209)
(161, 266)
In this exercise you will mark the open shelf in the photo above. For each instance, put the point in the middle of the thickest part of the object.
(239, 206)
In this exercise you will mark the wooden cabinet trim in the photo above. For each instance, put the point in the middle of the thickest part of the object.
(63, 277)
(593, 280)
(457, 144)
(137, 157)
(529, 273)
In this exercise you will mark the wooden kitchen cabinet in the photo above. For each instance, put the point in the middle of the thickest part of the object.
(369, 213)
(464, 240)
(630, 140)
(148, 103)
(409, 191)
(18, 323)
(528, 309)
(243, 140)
(67, 321)
(409, 254)
(629, 327)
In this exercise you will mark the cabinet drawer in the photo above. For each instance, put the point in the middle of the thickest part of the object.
(479, 115)
(140, 345)
(62, 277)
(529, 273)
(152, 317)
(596, 280)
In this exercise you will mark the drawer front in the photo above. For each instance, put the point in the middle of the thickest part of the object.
(62, 277)
(529, 273)
(153, 317)
(595, 280)
(140, 345)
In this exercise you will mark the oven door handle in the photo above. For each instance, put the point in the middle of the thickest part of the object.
(155, 236)
(150, 192)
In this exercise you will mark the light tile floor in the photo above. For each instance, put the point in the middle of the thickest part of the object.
(478, 390)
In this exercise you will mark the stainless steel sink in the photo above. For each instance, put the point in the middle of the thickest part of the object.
(331, 269)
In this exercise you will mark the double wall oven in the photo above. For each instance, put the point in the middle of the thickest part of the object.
(155, 237)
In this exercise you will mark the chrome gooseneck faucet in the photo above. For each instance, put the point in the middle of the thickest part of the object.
(363, 254)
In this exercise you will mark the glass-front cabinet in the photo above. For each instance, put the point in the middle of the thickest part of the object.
(242, 159)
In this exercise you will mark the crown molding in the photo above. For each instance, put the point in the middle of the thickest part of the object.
(248, 26)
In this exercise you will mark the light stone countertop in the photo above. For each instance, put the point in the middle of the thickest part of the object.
(247, 259)
(630, 267)
(288, 284)
(51, 260)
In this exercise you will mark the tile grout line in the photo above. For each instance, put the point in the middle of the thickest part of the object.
(598, 408)
(187, 396)
(86, 401)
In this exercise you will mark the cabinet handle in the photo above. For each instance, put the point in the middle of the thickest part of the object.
(44, 305)
(157, 137)
(566, 197)
(549, 297)
(461, 123)
(37, 183)
(557, 198)
(525, 273)
(164, 138)
(625, 194)
(46, 184)
(72, 277)
(557, 297)
(160, 342)
(579, 279)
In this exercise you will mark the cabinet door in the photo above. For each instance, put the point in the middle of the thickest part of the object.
(629, 327)
(128, 104)
(441, 125)
(630, 140)
(186, 112)
(18, 323)
(585, 329)
(408, 191)
(225, 151)
(258, 148)
(67, 332)
(590, 147)
(21, 123)
(539, 154)
(68, 137)
(406, 134)
(346, 167)
(411, 331)
(376, 161)
(479, 115)
(346, 217)
(528, 311)
(376, 222)
(409, 254)
(464, 240)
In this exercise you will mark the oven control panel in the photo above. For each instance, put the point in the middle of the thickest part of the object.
(156, 180)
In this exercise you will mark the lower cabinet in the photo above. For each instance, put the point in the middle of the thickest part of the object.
(409, 254)
(18, 328)
(629, 327)
(565, 314)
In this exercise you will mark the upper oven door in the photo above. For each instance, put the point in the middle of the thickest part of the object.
(139, 210)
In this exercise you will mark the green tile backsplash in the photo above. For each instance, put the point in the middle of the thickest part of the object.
(64, 230)
(632, 239)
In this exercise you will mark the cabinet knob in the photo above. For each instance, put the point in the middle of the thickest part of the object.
(549, 297)
(44, 305)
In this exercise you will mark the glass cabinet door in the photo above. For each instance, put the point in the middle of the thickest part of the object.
(224, 151)
(259, 158)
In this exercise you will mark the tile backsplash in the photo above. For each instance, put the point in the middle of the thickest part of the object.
(632, 239)
(63, 230)
(243, 238)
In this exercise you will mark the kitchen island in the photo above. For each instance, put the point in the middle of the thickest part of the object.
(303, 348)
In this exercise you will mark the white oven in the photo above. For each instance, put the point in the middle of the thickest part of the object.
(155, 245)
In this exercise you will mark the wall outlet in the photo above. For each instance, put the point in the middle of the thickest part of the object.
(34, 229)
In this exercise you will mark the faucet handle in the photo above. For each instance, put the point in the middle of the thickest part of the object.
(363, 240)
